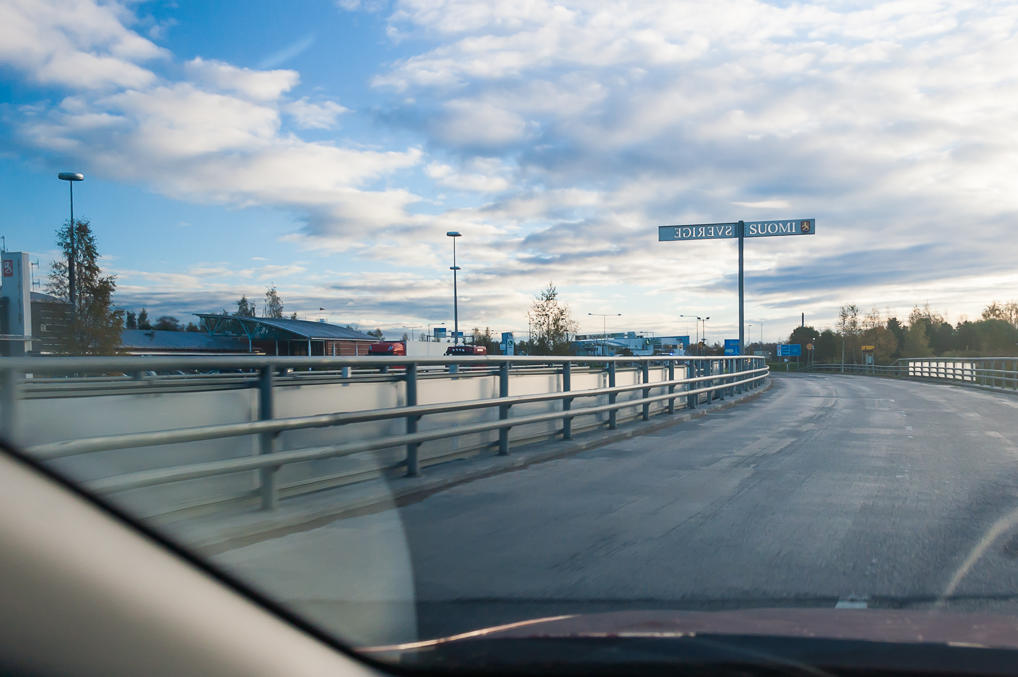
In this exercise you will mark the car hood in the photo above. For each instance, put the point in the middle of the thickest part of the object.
(870, 625)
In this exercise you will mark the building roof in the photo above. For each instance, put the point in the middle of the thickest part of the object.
(162, 340)
(301, 328)
(39, 297)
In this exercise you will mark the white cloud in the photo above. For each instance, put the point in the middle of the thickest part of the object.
(310, 115)
(80, 45)
(258, 85)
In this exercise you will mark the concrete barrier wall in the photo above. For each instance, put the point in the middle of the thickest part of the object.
(59, 418)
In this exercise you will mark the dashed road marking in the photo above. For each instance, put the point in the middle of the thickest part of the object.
(852, 602)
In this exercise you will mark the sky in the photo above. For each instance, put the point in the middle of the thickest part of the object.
(326, 147)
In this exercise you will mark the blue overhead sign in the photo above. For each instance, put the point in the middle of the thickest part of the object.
(717, 231)
(789, 350)
(732, 346)
(697, 231)
(783, 227)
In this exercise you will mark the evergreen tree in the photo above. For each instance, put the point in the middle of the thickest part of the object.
(245, 308)
(95, 328)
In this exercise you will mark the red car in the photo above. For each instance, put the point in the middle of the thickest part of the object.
(387, 348)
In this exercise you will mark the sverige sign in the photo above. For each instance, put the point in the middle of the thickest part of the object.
(714, 231)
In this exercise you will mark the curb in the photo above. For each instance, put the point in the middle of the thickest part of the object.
(249, 528)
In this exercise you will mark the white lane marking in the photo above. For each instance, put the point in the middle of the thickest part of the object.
(851, 603)
(991, 535)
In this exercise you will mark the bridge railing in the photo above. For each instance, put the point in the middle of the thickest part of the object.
(120, 387)
(995, 373)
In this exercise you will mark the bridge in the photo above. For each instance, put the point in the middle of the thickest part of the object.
(883, 488)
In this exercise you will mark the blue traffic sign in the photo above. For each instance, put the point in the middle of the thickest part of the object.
(697, 231)
(789, 350)
(782, 227)
(718, 231)
(732, 347)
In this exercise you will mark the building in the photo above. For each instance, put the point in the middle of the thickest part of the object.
(31, 323)
(629, 343)
(162, 342)
(288, 337)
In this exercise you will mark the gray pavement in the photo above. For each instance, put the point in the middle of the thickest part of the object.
(823, 490)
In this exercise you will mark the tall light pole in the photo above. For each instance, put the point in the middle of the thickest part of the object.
(70, 178)
(455, 301)
(604, 328)
(699, 320)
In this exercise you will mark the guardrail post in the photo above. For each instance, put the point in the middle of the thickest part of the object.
(454, 368)
(671, 388)
(344, 372)
(613, 414)
(413, 468)
(567, 402)
(691, 373)
(10, 391)
(267, 441)
(646, 391)
(503, 409)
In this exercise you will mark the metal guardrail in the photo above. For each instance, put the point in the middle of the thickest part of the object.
(687, 379)
(995, 373)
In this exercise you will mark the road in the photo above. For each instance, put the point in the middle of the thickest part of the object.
(825, 490)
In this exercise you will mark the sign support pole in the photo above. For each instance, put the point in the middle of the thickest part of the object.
(742, 308)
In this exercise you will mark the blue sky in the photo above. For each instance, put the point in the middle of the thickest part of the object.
(326, 147)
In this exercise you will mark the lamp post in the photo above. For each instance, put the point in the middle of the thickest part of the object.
(604, 328)
(455, 301)
(70, 178)
(699, 320)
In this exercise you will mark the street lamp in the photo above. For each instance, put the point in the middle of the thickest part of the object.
(604, 328)
(455, 302)
(702, 320)
(70, 178)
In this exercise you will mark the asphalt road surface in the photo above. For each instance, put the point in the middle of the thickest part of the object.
(827, 490)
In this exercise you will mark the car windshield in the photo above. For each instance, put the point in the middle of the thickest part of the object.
(427, 318)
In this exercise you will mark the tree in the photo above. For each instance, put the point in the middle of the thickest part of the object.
(404, 338)
(486, 339)
(191, 326)
(827, 347)
(132, 320)
(553, 327)
(883, 341)
(245, 308)
(803, 335)
(848, 327)
(167, 323)
(917, 344)
(293, 316)
(1007, 312)
(377, 333)
(898, 331)
(96, 327)
(143, 321)
(996, 337)
(274, 304)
